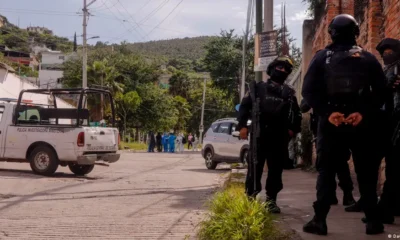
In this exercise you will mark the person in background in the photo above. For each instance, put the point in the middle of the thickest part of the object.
(195, 141)
(190, 138)
(184, 141)
(171, 141)
(165, 141)
(179, 142)
(159, 142)
(151, 142)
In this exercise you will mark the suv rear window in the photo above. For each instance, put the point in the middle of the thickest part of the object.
(224, 128)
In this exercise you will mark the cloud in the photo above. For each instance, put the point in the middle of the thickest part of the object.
(299, 16)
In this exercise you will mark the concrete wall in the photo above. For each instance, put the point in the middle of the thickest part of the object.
(11, 85)
(49, 78)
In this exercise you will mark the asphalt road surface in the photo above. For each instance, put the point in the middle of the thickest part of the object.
(143, 196)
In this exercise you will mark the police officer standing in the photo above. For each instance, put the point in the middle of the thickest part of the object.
(343, 170)
(280, 117)
(345, 86)
(389, 203)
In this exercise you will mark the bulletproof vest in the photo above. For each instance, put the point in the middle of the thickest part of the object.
(392, 75)
(274, 101)
(344, 74)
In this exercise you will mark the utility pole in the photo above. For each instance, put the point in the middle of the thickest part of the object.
(259, 22)
(246, 35)
(201, 129)
(84, 64)
(268, 22)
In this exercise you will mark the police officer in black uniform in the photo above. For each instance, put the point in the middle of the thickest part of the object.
(343, 170)
(277, 103)
(389, 203)
(345, 86)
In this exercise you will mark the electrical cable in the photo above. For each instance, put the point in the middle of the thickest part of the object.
(180, 2)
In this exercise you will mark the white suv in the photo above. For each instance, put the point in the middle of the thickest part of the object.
(222, 144)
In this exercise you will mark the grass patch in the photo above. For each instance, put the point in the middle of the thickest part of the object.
(133, 146)
(232, 216)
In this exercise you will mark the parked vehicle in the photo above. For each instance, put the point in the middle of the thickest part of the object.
(222, 144)
(47, 136)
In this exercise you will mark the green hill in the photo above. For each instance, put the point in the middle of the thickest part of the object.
(183, 48)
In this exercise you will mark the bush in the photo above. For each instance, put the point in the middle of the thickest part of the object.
(233, 216)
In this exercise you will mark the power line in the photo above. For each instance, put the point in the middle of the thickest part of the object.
(165, 18)
(147, 3)
(138, 26)
(152, 13)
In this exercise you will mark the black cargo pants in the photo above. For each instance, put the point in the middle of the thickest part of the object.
(343, 170)
(273, 148)
(333, 144)
(389, 203)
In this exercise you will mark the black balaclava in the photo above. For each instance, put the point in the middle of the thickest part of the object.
(389, 43)
(391, 58)
(278, 76)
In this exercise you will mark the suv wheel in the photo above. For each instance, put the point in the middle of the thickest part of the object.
(245, 157)
(210, 164)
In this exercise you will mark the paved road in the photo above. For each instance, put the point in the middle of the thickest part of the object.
(143, 196)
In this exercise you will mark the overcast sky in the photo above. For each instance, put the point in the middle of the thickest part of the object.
(118, 20)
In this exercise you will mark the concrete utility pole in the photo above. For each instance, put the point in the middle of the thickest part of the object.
(246, 36)
(268, 22)
(84, 50)
(84, 53)
(259, 22)
(201, 129)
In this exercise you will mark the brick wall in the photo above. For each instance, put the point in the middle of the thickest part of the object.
(377, 18)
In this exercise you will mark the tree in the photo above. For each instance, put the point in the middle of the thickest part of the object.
(126, 104)
(224, 61)
(157, 111)
(180, 84)
(184, 113)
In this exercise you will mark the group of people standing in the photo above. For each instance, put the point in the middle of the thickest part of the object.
(356, 113)
(169, 142)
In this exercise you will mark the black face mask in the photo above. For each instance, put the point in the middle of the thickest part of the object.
(279, 76)
(390, 58)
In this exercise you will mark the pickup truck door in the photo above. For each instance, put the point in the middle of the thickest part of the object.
(3, 127)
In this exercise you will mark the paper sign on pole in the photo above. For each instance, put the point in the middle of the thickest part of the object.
(265, 50)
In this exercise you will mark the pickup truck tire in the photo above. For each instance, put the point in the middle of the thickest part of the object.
(80, 170)
(43, 160)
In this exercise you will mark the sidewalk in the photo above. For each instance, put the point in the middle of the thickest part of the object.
(296, 201)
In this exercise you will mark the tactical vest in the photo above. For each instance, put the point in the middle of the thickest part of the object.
(274, 101)
(341, 77)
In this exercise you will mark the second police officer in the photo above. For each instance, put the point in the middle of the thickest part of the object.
(277, 102)
(345, 86)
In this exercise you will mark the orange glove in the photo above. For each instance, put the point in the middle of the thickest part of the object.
(244, 133)
(354, 119)
(336, 118)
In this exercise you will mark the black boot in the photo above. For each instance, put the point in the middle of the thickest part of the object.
(316, 226)
(385, 220)
(271, 206)
(356, 207)
(348, 199)
(375, 227)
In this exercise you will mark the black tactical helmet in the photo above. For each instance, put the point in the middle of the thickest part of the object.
(283, 60)
(343, 26)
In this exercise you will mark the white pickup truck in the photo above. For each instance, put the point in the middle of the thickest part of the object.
(47, 136)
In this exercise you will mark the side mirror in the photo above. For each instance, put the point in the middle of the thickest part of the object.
(236, 133)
